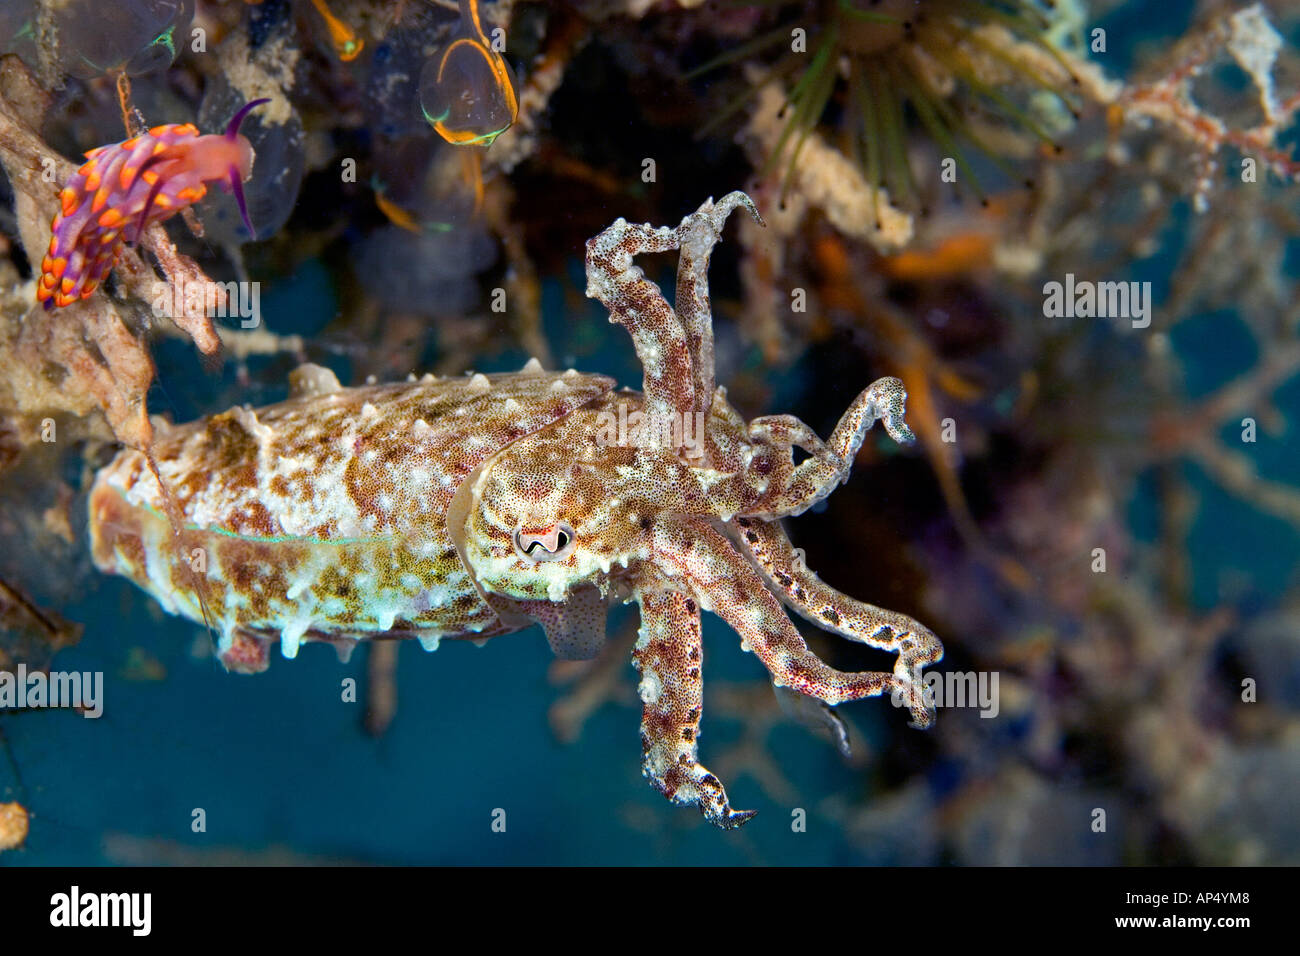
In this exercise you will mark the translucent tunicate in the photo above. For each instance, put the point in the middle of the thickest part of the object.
(468, 91)
(429, 273)
(279, 165)
(424, 185)
(76, 38)
(343, 38)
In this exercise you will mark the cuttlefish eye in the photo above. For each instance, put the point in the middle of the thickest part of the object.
(553, 543)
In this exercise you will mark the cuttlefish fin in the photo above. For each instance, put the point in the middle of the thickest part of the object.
(575, 629)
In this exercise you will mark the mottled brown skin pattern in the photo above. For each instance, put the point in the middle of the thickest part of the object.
(481, 506)
(327, 511)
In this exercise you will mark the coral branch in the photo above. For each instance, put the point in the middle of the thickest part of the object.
(105, 364)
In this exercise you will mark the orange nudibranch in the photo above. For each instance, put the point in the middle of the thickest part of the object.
(124, 188)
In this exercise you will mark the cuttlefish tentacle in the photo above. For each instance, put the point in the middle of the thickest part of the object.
(829, 462)
(726, 583)
(783, 565)
(676, 351)
(669, 656)
(636, 303)
(698, 234)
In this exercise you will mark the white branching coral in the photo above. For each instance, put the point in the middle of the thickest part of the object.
(1250, 40)
(825, 179)
(1254, 44)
